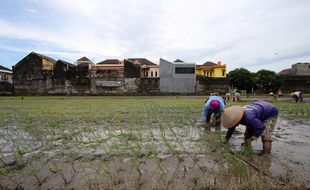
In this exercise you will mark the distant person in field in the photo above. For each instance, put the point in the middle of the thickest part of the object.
(227, 97)
(236, 97)
(232, 94)
(297, 96)
(280, 93)
(259, 117)
(213, 105)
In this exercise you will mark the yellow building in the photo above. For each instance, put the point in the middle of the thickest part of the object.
(210, 69)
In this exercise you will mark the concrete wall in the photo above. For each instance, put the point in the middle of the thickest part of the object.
(171, 82)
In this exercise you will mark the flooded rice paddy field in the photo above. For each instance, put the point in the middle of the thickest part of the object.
(142, 142)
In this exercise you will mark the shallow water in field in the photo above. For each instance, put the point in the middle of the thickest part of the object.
(184, 154)
(290, 150)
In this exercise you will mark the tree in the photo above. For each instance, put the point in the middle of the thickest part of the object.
(241, 78)
(267, 81)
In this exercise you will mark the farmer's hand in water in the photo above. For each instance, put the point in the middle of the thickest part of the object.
(249, 141)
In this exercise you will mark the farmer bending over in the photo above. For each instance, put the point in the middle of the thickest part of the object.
(259, 117)
(213, 105)
(298, 95)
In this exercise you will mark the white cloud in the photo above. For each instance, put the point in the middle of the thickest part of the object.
(239, 33)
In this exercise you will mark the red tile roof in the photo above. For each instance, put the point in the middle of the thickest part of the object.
(142, 61)
(84, 59)
(285, 72)
(110, 61)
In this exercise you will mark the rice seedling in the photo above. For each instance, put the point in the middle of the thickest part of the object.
(107, 172)
(170, 146)
(5, 173)
(287, 176)
(85, 175)
(32, 171)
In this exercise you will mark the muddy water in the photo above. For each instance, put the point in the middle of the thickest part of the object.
(290, 157)
(79, 158)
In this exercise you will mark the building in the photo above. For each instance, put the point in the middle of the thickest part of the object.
(33, 74)
(296, 78)
(107, 75)
(146, 74)
(177, 77)
(6, 82)
(64, 77)
(301, 69)
(109, 68)
(148, 69)
(37, 74)
(210, 69)
(83, 61)
(298, 69)
(285, 72)
(6, 75)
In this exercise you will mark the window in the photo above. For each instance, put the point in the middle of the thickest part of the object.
(223, 72)
(185, 70)
(147, 73)
(155, 73)
(152, 74)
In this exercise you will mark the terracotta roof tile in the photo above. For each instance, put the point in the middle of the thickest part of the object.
(110, 61)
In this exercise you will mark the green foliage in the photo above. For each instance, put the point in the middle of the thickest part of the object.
(242, 79)
(267, 81)
(263, 80)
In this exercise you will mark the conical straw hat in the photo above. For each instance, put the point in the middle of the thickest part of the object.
(231, 116)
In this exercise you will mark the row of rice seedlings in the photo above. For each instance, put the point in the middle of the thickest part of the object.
(5, 173)
(85, 175)
(33, 172)
(170, 146)
(153, 153)
(165, 113)
(108, 173)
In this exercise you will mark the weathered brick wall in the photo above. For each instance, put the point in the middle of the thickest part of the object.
(31, 79)
(205, 86)
(6, 88)
(295, 83)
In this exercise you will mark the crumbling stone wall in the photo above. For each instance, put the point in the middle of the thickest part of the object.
(296, 83)
(207, 85)
(31, 77)
(149, 86)
(6, 88)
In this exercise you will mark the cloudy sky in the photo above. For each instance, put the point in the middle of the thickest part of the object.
(253, 34)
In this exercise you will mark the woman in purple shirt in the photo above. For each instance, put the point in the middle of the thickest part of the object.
(259, 117)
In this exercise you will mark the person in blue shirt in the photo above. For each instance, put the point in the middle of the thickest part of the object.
(259, 117)
(213, 105)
